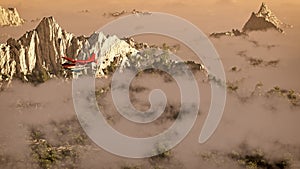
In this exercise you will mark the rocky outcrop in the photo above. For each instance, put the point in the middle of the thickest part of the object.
(263, 20)
(36, 56)
(114, 52)
(10, 17)
(233, 32)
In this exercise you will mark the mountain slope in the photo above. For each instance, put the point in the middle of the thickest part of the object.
(37, 54)
(262, 20)
(111, 52)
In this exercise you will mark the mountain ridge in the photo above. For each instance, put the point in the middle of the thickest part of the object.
(38, 51)
(37, 55)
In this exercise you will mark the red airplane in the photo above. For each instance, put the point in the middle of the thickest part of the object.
(82, 62)
(75, 63)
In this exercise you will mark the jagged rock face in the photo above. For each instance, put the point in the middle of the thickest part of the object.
(262, 20)
(10, 17)
(36, 56)
(112, 52)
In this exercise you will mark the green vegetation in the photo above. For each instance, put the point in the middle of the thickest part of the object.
(258, 61)
(113, 66)
(232, 86)
(255, 61)
(48, 155)
(214, 156)
(39, 75)
(235, 69)
(292, 96)
(257, 160)
(61, 150)
(272, 63)
(172, 48)
(162, 153)
(69, 132)
(172, 112)
(137, 89)
(101, 91)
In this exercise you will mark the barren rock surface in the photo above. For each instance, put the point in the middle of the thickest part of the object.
(262, 20)
(10, 17)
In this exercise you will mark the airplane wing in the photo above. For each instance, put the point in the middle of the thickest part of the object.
(69, 59)
(68, 65)
(82, 62)
(91, 59)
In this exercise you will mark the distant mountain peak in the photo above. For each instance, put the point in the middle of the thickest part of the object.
(10, 17)
(264, 8)
(48, 20)
(36, 56)
(262, 20)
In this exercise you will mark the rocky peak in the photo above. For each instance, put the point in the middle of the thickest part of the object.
(113, 52)
(264, 10)
(48, 27)
(10, 17)
(36, 56)
(262, 20)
